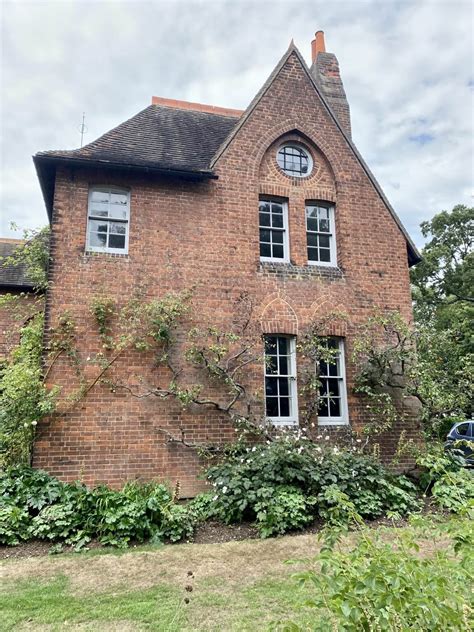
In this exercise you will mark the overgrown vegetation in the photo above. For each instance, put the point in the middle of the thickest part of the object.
(36, 505)
(281, 484)
(378, 585)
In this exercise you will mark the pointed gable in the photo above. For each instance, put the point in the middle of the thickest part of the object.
(281, 95)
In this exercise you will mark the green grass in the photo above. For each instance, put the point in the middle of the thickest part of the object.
(31, 604)
(237, 586)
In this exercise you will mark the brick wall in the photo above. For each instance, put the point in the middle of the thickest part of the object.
(205, 235)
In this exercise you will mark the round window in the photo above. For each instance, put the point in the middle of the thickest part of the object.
(294, 160)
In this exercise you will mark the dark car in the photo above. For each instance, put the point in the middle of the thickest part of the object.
(462, 431)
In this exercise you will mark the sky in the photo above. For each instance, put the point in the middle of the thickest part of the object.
(407, 68)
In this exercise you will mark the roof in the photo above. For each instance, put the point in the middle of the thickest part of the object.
(13, 276)
(160, 137)
(183, 141)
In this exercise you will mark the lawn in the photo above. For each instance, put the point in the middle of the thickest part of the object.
(241, 586)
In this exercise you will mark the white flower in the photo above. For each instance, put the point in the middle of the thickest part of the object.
(224, 489)
(335, 450)
(326, 438)
(319, 436)
(318, 449)
(241, 460)
(215, 497)
(253, 449)
(25, 425)
(88, 359)
(358, 440)
(34, 422)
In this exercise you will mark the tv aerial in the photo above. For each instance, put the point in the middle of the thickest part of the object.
(82, 128)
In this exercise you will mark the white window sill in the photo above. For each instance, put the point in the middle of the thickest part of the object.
(324, 264)
(332, 422)
(270, 260)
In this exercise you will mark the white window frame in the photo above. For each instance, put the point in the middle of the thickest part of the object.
(332, 234)
(302, 148)
(90, 217)
(284, 230)
(292, 379)
(343, 419)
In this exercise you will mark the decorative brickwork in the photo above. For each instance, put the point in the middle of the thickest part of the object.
(205, 235)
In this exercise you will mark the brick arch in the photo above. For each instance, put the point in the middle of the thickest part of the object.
(290, 126)
(277, 316)
(322, 307)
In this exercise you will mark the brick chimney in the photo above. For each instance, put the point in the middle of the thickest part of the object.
(325, 71)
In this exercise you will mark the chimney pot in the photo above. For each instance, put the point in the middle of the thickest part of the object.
(317, 45)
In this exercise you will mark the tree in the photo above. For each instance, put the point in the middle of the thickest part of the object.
(443, 295)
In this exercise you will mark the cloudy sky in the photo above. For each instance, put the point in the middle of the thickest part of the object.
(406, 65)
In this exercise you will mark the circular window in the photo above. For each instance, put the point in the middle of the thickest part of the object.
(294, 160)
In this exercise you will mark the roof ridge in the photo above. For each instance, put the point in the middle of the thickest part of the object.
(198, 107)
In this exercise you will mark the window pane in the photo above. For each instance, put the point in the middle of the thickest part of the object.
(283, 345)
(272, 406)
(323, 241)
(278, 252)
(312, 239)
(264, 219)
(264, 206)
(118, 212)
(99, 210)
(271, 386)
(323, 409)
(277, 220)
(333, 386)
(100, 196)
(283, 365)
(118, 228)
(323, 368)
(313, 254)
(98, 240)
(324, 225)
(312, 224)
(333, 368)
(116, 241)
(97, 226)
(312, 212)
(265, 250)
(119, 198)
(264, 235)
(325, 255)
(270, 345)
(463, 430)
(323, 213)
(335, 407)
(283, 385)
(324, 387)
(277, 208)
(277, 236)
(284, 407)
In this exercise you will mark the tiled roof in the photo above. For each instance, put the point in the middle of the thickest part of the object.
(160, 137)
(12, 276)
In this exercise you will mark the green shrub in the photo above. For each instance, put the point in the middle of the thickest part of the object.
(455, 491)
(386, 586)
(282, 509)
(246, 474)
(37, 505)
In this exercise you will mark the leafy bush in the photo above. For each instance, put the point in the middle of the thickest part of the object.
(247, 476)
(282, 509)
(451, 484)
(37, 505)
(386, 586)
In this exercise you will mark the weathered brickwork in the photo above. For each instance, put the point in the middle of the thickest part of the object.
(205, 235)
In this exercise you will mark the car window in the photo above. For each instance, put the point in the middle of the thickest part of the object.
(463, 430)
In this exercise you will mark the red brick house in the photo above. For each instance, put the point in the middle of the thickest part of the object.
(274, 202)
